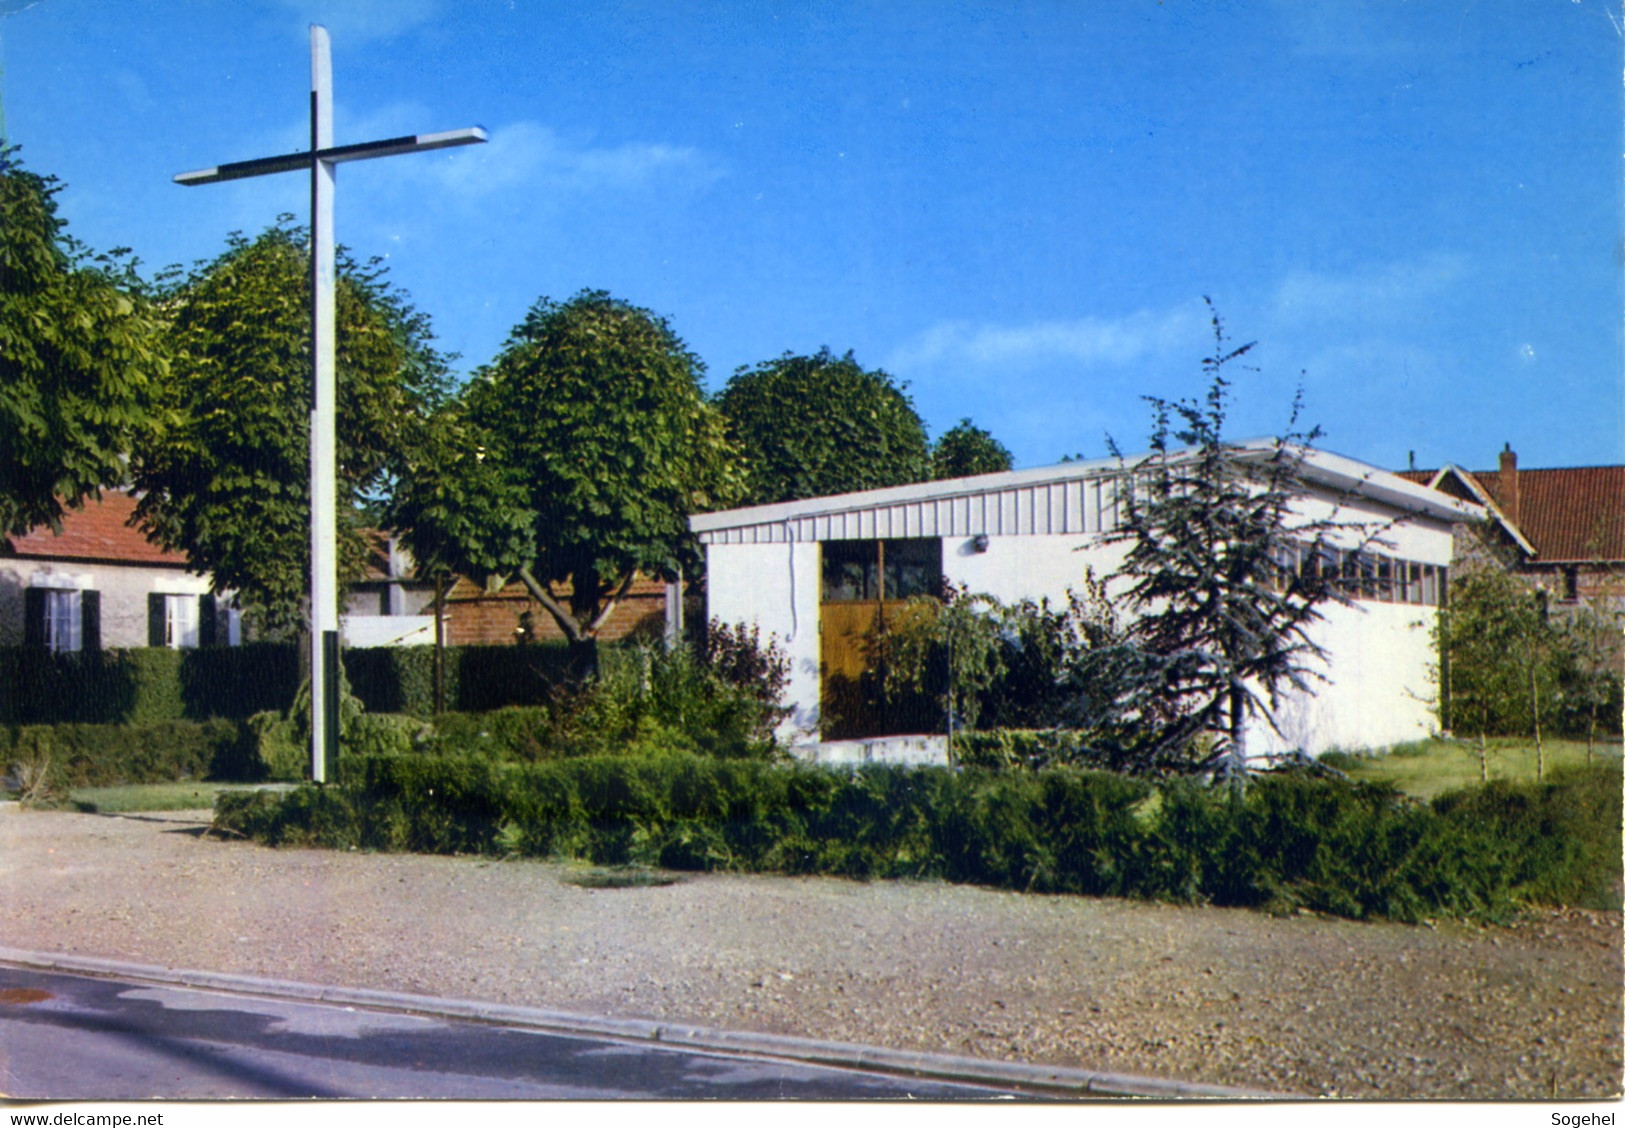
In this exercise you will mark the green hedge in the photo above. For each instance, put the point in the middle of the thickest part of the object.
(1284, 842)
(1033, 749)
(143, 685)
(92, 755)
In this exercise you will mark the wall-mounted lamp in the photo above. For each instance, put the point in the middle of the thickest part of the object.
(979, 542)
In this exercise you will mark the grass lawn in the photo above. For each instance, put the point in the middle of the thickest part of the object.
(183, 796)
(1428, 767)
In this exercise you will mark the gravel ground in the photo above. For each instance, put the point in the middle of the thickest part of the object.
(1301, 1004)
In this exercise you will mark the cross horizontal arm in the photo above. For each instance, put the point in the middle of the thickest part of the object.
(366, 150)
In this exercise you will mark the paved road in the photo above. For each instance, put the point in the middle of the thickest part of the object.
(69, 1037)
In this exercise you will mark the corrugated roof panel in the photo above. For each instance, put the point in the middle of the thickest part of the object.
(1085, 498)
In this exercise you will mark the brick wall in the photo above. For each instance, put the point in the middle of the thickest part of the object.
(476, 618)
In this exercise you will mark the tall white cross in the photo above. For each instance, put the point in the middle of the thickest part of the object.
(323, 159)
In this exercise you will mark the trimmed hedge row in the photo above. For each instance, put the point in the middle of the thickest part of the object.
(108, 755)
(143, 685)
(1355, 850)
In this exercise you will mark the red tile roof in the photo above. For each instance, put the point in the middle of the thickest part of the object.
(99, 531)
(1573, 514)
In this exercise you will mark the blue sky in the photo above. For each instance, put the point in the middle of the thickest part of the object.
(1414, 208)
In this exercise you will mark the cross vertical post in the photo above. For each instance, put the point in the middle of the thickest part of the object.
(324, 611)
(322, 161)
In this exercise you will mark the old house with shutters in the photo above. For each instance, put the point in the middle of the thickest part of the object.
(102, 585)
(817, 574)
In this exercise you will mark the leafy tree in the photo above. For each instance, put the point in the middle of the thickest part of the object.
(229, 483)
(1220, 605)
(1588, 651)
(81, 351)
(573, 462)
(821, 424)
(1483, 636)
(967, 450)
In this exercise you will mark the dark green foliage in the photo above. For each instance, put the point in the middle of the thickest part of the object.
(645, 700)
(1027, 749)
(1049, 832)
(967, 450)
(490, 677)
(273, 743)
(228, 481)
(144, 685)
(737, 655)
(1287, 841)
(81, 358)
(89, 687)
(815, 425)
(1017, 666)
(1491, 636)
(580, 452)
(1220, 628)
(1561, 839)
(514, 734)
(398, 679)
(1509, 666)
(1586, 654)
(95, 755)
(307, 816)
(237, 681)
(156, 683)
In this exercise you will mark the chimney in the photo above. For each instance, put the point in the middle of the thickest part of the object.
(1509, 484)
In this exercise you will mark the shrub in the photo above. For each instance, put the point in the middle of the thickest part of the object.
(1026, 749)
(1013, 665)
(148, 684)
(306, 816)
(1560, 839)
(273, 745)
(522, 733)
(88, 755)
(236, 681)
(383, 734)
(1285, 841)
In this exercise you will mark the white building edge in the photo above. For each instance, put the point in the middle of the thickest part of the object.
(1034, 534)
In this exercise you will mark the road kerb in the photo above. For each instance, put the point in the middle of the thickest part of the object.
(1050, 1080)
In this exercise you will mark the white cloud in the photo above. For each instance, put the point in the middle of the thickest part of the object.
(527, 154)
(1397, 290)
(520, 155)
(1083, 341)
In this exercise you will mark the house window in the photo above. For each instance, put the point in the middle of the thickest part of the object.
(1385, 580)
(898, 568)
(180, 621)
(64, 621)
